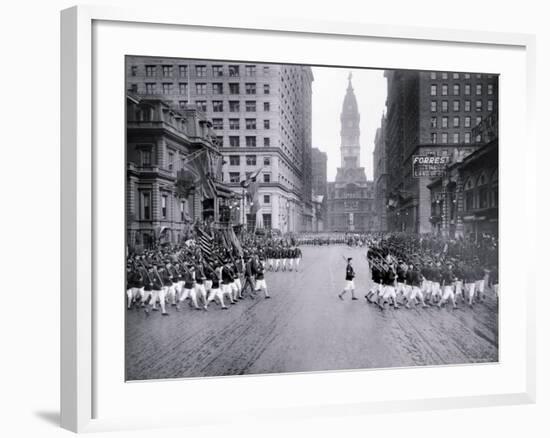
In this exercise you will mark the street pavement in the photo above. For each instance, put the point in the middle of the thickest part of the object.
(305, 327)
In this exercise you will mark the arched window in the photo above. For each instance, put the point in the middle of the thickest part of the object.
(482, 191)
(469, 194)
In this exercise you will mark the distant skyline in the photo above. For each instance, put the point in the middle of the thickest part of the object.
(329, 89)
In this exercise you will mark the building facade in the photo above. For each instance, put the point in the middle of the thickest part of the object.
(320, 186)
(464, 202)
(261, 114)
(429, 114)
(351, 196)
(163, 143)
(380, 176)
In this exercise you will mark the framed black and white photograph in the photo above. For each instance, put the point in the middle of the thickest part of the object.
(253, 210)
(229, 204)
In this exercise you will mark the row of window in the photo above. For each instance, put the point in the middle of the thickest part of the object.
(236, 124)
(444, 105)
(201, 88)
(167, 71)
(444, 89)
(145, 206)
(445, 76)
(482, 194)
(251, 221)
(481, 198)
(234, 106)
(235, 177)
(250, 141)
(251, 160)
(145, 156)
(443, 138)
(457, 122)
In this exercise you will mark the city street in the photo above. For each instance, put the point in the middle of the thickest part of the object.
(305, 327)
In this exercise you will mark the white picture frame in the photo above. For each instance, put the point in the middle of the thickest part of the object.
(80, 378)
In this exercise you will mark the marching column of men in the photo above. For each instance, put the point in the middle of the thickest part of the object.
(283, 257)
(170, 276)
(405, 273)
(166, 282)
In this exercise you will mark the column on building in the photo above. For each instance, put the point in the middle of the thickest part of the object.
(275, 206)
(445, 208)
(459, 207)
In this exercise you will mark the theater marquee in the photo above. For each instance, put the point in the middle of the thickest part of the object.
(429, 166)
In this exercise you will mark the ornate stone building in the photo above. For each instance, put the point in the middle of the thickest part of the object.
(165, 147)
(351, 196)
(464, 202)
(261, 115)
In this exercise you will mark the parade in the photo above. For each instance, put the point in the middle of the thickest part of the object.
(259, 303)
(251, 248)
(410, 269)
(211, 266)
(216, 266)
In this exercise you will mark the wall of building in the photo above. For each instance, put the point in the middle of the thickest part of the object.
(276, 97)
(429, 113)
(158, 142)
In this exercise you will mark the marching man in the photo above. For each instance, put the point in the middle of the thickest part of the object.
(469, 283)
(414, 282)
(447, 281)
(350, 285)
(297, 257)
(260, 279)
(215, 292)
(158, 292)
(189, 287)
(389, 295)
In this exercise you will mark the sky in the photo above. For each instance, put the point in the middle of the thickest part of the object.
(329, 89)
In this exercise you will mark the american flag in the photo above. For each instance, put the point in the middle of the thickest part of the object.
(205, 244)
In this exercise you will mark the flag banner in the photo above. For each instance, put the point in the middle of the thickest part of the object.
(225, 241)
(196, 172)
(189, 176)
(215, 166)
(218, 168)
(259, 221)
(252, 191)
(202, 165)
(185, 181)
(205, 242)
(235, 241)
(251, 178)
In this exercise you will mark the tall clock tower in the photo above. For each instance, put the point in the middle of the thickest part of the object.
(351, 195)
(349, 133)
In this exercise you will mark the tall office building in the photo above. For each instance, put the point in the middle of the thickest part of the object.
(380, 176)
(262, 116)
(320, 187)
(429, 114)
(350, 196)
(319, 172)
